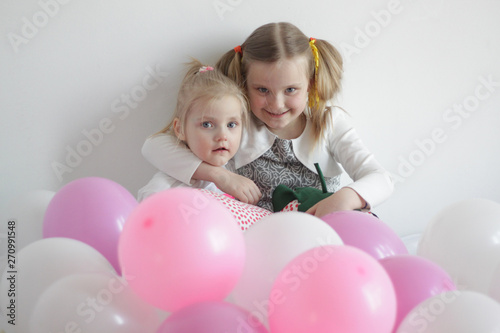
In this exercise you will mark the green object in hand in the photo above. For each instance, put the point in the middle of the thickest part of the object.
(306, 196)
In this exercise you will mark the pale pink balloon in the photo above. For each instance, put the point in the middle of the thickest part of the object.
(332, 289)
(179, 247)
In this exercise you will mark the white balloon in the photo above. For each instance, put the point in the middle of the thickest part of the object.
(270, 244)
(494, 290)
(454, 311)
(40, 264)
(464, 239)
(92, 303)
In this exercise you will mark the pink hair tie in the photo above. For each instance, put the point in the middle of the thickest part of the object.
(205, 68)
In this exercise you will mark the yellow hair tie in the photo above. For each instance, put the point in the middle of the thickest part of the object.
(314, 49)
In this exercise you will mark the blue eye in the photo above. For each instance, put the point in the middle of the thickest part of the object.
(232, 124)
(206, 124)
(290, 90)
(263, 90)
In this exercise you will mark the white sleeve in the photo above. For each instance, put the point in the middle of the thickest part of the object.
(167, 154)
(370, 180)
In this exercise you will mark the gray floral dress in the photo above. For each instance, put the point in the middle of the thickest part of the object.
(278, 165)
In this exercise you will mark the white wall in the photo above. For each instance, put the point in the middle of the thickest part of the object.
(410, 64)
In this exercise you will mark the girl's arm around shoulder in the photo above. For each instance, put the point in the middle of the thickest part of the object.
(166, 153)
(169, 155)
(240, 187)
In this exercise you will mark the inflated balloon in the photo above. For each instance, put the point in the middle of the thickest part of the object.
(90, 303)
(415, 279)
(182, 247)
(211, 317)
(453, 311)
(464, 240)
(92, 210)
(366, 232)
(43, 262)
(270, 244)
(332, 289)
(494, 290)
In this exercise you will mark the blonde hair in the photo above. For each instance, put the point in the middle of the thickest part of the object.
(274, 41)
(206, 84)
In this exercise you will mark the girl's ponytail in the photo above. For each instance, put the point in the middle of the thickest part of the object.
(330, 70)
(230, 65)
(326, 83)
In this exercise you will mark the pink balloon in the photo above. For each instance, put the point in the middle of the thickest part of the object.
(366, 232)
(92, 210)
(212, 317)
(332, 289)
(415, 279)
(181, 247)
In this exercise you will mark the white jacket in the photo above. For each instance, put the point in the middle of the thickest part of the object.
(341, 149)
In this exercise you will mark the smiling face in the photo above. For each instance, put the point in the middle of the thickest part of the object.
(212, 130)
(278, 94)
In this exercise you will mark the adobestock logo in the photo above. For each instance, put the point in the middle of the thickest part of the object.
(31, 26)
(91, 305)
(223, 6)
(454, 116)
(427, 312)
(198, 204)
(122, 105)
(371, 30)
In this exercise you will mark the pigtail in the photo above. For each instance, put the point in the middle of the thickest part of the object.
(230, 65)
(325, 85)
(193, 67)
(331, 70)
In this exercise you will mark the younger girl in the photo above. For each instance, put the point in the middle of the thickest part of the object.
(208, 121)
(289, 80)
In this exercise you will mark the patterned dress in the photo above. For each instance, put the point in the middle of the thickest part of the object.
(279, 165)
(244, 214)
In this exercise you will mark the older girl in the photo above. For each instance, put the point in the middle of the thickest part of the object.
(290, 80)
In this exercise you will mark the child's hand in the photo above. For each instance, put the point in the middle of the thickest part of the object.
(344, 199)
(240, 187)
